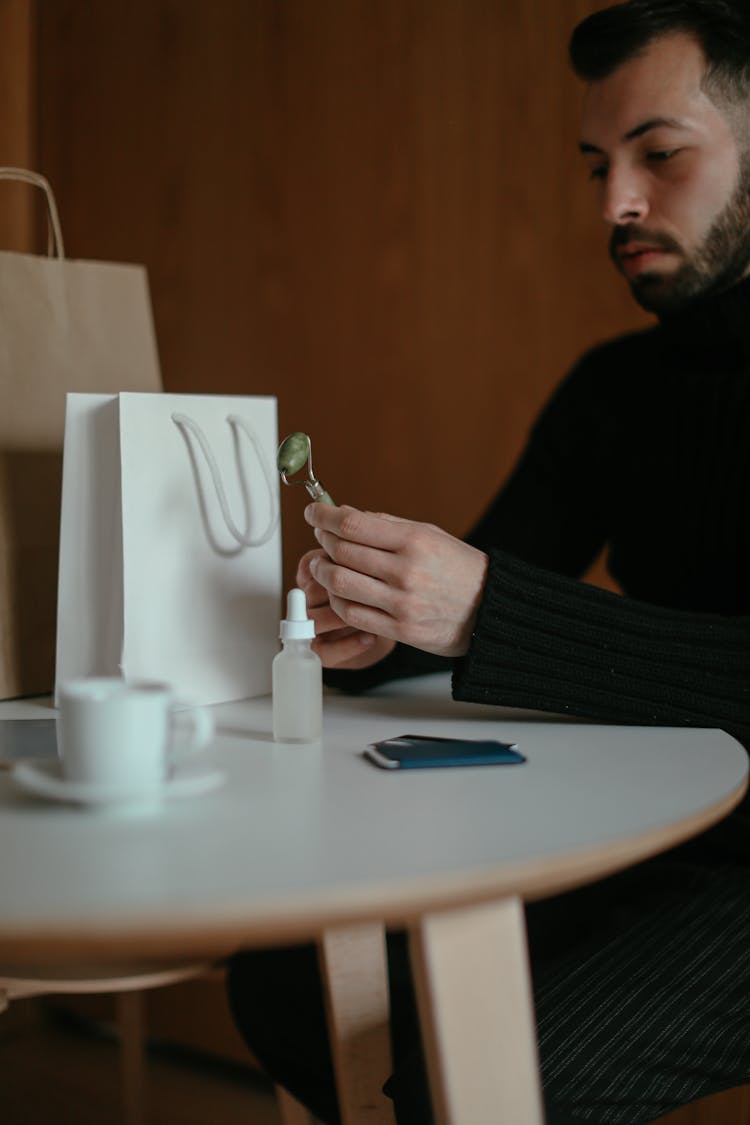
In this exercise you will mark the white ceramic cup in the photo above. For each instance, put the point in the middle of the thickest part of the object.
(124, 737)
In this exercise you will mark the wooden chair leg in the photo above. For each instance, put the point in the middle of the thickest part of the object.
(355, 977)
(128, 989)
(130, 1020)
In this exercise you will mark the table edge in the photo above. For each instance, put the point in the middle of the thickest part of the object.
(398, 907)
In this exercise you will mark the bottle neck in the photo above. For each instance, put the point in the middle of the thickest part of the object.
(296, 644)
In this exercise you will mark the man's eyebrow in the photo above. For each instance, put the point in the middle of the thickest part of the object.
(645, 127)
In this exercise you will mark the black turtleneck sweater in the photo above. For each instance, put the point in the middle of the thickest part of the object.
(644, 448)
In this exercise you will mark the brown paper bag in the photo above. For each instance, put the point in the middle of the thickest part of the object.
(64, 326)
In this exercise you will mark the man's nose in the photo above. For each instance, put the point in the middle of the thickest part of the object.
(623, 198)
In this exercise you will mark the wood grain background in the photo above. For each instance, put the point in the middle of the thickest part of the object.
(373, 209)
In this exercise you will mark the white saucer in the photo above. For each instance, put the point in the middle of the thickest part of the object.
(45, 779)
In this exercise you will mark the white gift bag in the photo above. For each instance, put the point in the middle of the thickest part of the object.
(170, 547)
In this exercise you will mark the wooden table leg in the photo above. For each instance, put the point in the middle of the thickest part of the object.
(476, 1009)
(130, 1019)
(354, 969)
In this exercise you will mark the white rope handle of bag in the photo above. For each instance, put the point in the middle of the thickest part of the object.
(190, 427)
(55, 248)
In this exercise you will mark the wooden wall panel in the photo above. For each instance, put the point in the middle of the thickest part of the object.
(373, 210)
(17, 140)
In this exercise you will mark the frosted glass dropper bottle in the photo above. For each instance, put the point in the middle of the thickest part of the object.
(297, 677)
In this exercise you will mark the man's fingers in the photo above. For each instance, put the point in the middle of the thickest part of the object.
(326, 619)
(314, 592)
(357, 527)
(350, 586)
(388, 516)
(394, 578)
(365, 618)
(315, 595)
(355, 650)
(373, 561)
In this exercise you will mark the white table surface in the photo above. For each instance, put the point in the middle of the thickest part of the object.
(313, 842)
(307, 837)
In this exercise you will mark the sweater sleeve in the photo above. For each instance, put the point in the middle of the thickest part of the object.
(548, 642)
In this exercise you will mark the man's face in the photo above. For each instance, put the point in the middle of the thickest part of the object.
(673, 183)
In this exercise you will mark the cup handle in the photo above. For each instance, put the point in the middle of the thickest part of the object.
(201, 730)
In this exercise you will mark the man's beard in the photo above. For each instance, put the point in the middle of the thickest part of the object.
(719, 262)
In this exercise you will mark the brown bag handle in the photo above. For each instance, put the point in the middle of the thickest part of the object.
(55, 247)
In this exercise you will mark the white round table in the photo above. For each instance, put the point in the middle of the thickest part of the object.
(315, 843)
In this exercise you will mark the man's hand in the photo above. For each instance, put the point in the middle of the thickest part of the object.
(337, 645)
(394, 579)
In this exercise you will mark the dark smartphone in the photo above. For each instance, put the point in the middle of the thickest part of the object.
(421, 752)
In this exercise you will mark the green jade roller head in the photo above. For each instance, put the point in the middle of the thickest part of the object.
(294, 452)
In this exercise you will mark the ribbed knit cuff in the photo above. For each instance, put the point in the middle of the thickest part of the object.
(552, 643)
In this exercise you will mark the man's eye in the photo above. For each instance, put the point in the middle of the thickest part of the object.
(663, 154)
(599, 173)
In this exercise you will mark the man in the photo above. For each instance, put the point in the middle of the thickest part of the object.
(642, 982)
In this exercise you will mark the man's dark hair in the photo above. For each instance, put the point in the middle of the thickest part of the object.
(607, 39)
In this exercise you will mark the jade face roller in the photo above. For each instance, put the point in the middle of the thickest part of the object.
(294, 451)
